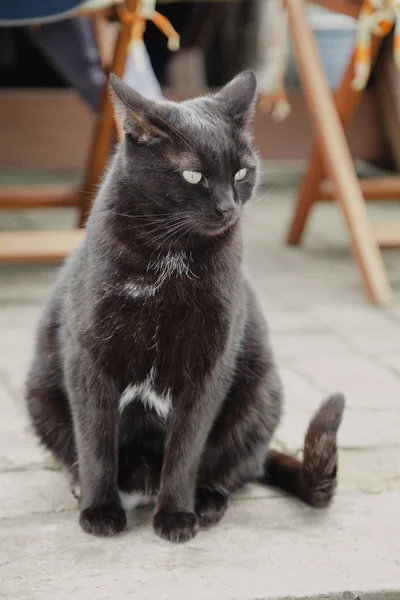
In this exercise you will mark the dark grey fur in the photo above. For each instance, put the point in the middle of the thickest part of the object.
(156, 294)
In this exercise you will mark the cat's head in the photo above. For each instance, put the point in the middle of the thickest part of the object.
(190, 166)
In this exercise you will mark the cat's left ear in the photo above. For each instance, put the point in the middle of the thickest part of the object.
(139, 116)
(238, 97)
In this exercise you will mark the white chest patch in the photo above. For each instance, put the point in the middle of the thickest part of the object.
(170, 263)
(144, 392)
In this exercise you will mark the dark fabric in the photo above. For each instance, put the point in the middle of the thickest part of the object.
(179, 14)
(70, 46)
(12, 11)
(233, 39)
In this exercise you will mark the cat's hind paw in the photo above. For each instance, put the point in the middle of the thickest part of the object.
(210, 506)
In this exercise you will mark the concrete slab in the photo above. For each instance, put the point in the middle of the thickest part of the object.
(365, 382)
(34, 490)
(264, 549)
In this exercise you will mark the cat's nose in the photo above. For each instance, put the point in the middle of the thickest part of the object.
(225, 208)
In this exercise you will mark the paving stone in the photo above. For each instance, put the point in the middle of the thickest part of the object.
(367, 329)
(299, 394)
(369, 470)
(359, 429)
(392, 361)
(34, 491)
(261, 550)
(18, 326)
(12, 412)
(24, 284)
(291, 345)
(19, 450)
(295, 322)
(365, 383)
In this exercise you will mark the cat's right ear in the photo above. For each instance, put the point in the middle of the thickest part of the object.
(138, 115)
(238, 98)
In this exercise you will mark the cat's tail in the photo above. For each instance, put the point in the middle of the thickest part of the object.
(314, 479)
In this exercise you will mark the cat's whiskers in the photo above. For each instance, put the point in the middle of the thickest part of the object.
(174, 230)
(169, 224)
(159, 226)
(262, 197)
(190, 229)
(144, 216)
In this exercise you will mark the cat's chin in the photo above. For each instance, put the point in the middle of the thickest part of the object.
(214, 230)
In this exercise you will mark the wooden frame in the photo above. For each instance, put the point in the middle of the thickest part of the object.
(331, 155)
(55, 245)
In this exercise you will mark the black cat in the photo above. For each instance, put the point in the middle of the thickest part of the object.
(153, 374)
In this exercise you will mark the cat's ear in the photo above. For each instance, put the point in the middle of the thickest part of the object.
(238, 97)
(138, 115)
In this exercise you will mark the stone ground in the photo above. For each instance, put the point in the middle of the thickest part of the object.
(327, 337)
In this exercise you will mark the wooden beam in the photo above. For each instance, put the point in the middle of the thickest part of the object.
(105, 40)
(106, 125)
(39, 245)
(387, 233)
(378, 189)
(39, 196)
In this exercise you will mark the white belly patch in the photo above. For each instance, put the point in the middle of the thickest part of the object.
(144, 392)
(131, 501)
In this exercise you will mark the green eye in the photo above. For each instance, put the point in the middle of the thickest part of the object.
(192, 176)
(241, 174)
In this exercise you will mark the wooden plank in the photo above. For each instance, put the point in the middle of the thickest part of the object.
(39, 196)
(50, 129)
(379, 188)
(387, 233)
(43, 129)
(38, 246)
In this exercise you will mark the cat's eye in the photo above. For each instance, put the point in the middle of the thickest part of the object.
(241, 174)
(192, 176)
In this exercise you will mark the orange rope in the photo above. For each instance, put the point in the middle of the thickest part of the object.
(139, 24)
(376, 18)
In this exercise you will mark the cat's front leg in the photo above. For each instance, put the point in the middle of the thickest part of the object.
(94, 403)
(191, 420)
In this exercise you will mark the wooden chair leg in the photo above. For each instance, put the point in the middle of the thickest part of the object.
(347, 100)
(105, 127)
(105, 40)
(336, 155)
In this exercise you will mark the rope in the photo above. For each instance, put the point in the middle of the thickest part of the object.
(377, 17)
(146, 11)
(272, 78)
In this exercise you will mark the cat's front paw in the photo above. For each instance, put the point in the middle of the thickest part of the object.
(105, 520)
(176, 526)
(210, 506)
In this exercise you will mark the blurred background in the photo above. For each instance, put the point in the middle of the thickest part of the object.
(51, 80)
(57, 134)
